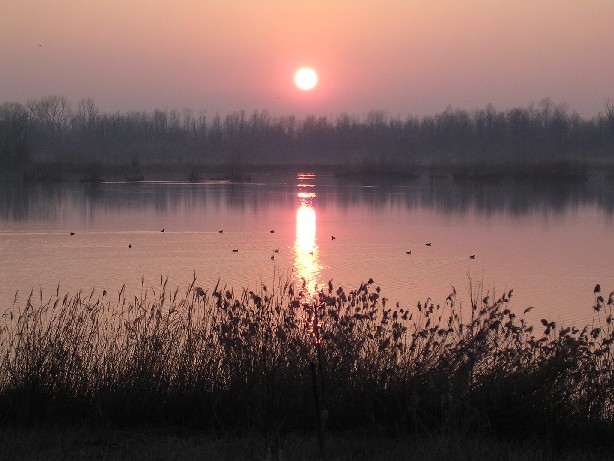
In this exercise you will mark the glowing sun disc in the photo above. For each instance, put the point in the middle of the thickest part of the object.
(306, 78)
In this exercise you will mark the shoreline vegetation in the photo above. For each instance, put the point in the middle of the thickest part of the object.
(49, 140)
(280, 366)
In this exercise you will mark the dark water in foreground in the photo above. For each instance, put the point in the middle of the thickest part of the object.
(550, 243)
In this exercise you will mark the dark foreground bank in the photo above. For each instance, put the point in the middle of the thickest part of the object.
(152, 445)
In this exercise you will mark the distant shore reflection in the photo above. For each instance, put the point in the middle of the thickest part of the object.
(306, 259)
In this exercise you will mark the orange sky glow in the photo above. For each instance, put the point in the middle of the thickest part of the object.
(406, 57)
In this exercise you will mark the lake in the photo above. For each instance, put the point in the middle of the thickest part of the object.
(551, 243)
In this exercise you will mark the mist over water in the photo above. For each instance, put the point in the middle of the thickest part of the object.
(550, 243)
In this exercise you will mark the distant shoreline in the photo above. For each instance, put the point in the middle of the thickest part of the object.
(560, 171)
(48, 134)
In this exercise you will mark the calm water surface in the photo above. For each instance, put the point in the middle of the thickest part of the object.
(550, 243)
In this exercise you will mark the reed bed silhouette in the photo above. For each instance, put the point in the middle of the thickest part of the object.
(280, 359)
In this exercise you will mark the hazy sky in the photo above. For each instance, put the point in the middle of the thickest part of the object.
(402, 56)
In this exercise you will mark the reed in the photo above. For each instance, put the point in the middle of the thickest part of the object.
(221, 360)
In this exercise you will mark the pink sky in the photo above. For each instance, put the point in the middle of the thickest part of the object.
(401, 56)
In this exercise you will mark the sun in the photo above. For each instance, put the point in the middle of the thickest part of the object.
(306, 78)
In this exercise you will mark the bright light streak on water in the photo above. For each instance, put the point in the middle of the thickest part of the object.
(306, 264)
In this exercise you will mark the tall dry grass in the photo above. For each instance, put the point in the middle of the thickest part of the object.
(220, 360)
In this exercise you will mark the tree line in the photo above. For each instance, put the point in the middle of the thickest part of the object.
(50, 130)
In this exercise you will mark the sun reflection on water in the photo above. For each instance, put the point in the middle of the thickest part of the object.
(306, 258)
